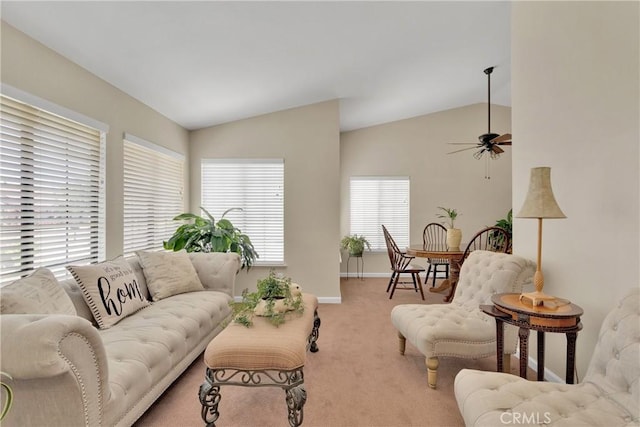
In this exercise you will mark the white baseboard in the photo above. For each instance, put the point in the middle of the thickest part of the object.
(377, 275)
(549, 375)
(330, 300)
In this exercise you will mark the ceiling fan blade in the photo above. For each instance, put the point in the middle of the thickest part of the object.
(496, 149)
(463, 149)
(507, 144)
(502, 138)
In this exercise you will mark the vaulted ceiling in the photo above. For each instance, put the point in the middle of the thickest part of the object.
(210, 62)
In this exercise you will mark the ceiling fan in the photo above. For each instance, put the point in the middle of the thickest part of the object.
(489, 142)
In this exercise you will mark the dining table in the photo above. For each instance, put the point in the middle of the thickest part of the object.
(441, 251)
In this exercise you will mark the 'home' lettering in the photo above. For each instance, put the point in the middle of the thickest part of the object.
(127, 292)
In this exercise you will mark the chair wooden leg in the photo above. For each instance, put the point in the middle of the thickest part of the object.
(435, 273)
(395, 283)
(402, 342)
(426, 277)
(432, 371)
(420, 286)
(393, 275)
(415, 283)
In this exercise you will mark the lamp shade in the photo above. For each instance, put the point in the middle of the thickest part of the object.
(540, 202)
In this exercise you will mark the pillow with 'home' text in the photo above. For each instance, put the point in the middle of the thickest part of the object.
(110, 289)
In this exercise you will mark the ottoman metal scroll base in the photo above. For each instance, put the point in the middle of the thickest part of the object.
(288, 377)
(315, 333)
(292, 382)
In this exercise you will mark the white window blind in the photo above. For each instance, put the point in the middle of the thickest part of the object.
(153, 194)
(256, 186)
(51, 190)
(377, 201)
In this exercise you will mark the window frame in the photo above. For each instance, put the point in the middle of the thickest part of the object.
(152, 181)
(365, 221)
(64, 146)
(268, 241)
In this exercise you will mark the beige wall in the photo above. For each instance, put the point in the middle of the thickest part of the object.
(31, 67)
(308, 139)
(575, 98)
(418, 148)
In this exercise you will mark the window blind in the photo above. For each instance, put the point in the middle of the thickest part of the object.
(377, 201)
(153, 194)
(51, 190)
(256, 186)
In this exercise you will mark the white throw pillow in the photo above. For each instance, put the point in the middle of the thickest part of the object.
(39, 293)
(168, 273)
(110, 289)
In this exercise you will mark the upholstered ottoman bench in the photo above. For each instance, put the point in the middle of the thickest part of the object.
(262, 355)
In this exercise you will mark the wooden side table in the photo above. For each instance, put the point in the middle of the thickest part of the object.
(565, 319)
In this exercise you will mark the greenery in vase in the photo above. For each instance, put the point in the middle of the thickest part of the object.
(449, 215)
(355, 244)
(206, 235)
(271, 291)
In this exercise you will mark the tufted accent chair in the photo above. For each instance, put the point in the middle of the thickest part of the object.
(461, 329)
(608, 396)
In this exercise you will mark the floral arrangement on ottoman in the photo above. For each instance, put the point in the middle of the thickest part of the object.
(274, 298)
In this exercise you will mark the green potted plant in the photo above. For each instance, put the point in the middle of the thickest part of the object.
(275, 296)
(454, 235)
(507, 225)
(355, 244)
(206, 235)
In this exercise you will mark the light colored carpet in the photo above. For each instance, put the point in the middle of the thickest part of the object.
(358, 378)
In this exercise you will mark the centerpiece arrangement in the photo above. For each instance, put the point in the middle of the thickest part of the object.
(274, 298)
(454, 235)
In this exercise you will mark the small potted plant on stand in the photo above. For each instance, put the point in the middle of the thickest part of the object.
(354, 245)
(454, 235)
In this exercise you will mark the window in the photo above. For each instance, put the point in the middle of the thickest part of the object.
(51, 189)
(153, 187)
(256, 186)
(377, 201)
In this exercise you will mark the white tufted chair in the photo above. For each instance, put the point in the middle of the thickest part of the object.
(460, 329)
(608, 396)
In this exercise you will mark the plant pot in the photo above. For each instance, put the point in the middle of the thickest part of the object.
(454, 237)
(356, 254)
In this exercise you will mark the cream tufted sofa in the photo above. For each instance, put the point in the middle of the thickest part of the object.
(67, 372)
(608, 396)
(460, 329)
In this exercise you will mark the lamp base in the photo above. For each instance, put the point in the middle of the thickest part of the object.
(539, 298)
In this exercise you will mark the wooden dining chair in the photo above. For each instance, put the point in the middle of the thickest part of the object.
(401, 264)
(435, 234)
(494, 239)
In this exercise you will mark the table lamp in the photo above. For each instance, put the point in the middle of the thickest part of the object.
(539, 204)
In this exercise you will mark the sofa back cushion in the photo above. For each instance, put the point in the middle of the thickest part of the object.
(110, 289)
(614, 366)
(38, 293)
(168, 273)
(214, 269)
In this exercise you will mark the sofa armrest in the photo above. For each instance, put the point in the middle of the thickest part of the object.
(58, 368)
(217, 271)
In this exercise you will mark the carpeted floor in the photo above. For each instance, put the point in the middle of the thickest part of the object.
(358, 378)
